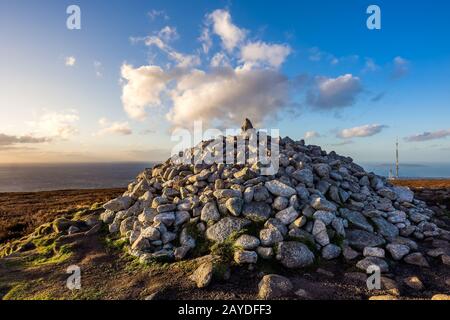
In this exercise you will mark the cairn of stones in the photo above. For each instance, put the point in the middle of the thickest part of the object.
(317, 204)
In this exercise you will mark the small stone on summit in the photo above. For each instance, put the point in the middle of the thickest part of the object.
(246, 125)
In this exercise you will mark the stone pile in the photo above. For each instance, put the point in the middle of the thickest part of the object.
(317, 204)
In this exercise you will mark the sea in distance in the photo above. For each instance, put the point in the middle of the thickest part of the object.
(41, 177)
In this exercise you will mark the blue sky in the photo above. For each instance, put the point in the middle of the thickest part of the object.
(302, 66)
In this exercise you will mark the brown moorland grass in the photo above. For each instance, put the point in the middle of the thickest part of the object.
(423, 183)
(22, 212)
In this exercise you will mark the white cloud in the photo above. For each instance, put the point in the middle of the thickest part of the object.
(228, 95)
(370, 65)
(205, 39)
(122, 128)
(168, 33)
(222, 25)
(426, 136)
(98, 69)
(70, 61)
(160, 41)
(153, 14)
(259, 52)
(57, 124)
(401, 67)
(367, 130)
(337, 92)
(220, 59)
(142, 89)
(311, 134)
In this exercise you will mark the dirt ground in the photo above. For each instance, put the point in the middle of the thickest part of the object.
(107, 272)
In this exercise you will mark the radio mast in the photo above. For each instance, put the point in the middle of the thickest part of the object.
(396, 159)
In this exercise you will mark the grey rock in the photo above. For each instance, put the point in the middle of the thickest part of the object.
(227, 193)
(319, 203)
(387, 193)
(257, 211)
(241, 257)
(202, 276)
(365, 263)
(374, 252)
(385, 228)
(280, 203)
(166, 207)
(360, 239)
(234, 206)
(107, 216)
(349, 253)
(357, 220)
(320, 233)
(265, 252)
(416, 259)
(151, 233)
(248, 194)
(397, 251)
(181, 217)
(302, 192)
(181, 252)
(273, 286)
(274, 223)
(338, 226)
(301, 235)
(141, 243)
(210, 212)
(270, 236)
(260, 194)
(247, 242)
(322, 169)
(331, 251)
(287, 215)
(220, 231)
(126, 225)
(304, 176)
(404, 194)
(326, 216)
(293, 254)
(119, 204)
(278, 188)
(168, 218)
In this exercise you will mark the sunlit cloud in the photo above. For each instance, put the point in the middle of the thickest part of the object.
(367, 130)
(61, 125)
(426, 136)
(107, 128)
(70, 61)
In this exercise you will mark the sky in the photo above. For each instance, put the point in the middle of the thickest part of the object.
(116, 89)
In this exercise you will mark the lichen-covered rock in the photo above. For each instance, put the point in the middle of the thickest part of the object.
(293, 254)
(245, 256)
(273, 286)
(221, 230)
(247, 242)
(202, 276)
(119, 204)
(360, 239)
(256, 211)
